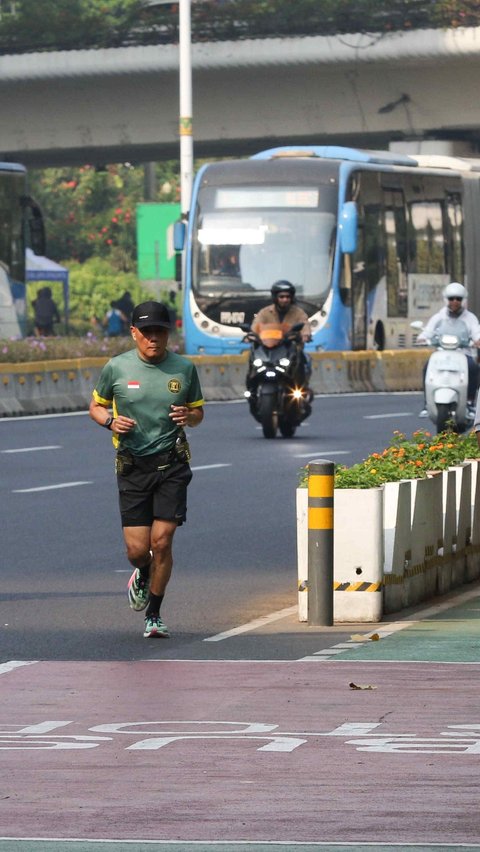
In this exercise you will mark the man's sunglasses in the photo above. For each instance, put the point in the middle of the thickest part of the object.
(454, 299)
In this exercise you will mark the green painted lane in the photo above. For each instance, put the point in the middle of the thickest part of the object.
(444, 634)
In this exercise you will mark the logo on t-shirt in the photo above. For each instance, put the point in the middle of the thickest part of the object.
(174, 385)
(133, 385)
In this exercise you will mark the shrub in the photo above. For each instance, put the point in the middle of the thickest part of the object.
(405, 458)
(53, 348)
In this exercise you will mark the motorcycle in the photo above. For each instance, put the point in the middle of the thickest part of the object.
(446, 377)
(277, 390)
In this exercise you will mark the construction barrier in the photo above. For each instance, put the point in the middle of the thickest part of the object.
(43, 387)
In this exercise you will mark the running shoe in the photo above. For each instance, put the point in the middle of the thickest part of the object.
(423, 413)
(155, 627)
(138, 591)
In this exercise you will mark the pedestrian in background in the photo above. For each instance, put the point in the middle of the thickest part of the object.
(154, 394)
(125, 305)
(45, 313)
(114, 321)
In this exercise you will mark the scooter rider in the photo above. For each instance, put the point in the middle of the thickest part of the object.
(287, 313)
(284, 310)
(455, 311)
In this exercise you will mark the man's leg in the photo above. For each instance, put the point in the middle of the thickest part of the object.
(137, 542)
(161, 540)
(161, 545)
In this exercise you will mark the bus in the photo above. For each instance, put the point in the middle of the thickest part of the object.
(21, 225)
(368, 238)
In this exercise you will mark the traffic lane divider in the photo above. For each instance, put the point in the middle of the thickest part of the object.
(44, 387)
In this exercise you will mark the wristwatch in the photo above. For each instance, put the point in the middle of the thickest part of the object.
(108, 422)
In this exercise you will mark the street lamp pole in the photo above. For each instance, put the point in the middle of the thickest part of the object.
(185, 124)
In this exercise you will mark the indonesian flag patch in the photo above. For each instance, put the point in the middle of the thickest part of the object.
(133, 385)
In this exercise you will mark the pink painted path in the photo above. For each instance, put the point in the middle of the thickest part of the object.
(278, 751)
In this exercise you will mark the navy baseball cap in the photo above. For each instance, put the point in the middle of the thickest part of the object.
(151, 313)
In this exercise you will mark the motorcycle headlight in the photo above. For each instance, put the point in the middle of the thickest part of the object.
(257, 362)
(284, 362)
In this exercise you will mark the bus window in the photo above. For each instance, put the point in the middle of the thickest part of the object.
(455, 237)
(427, 244)
(395, 254)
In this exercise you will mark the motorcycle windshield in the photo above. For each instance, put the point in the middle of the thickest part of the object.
(272, 333)
(453, 328)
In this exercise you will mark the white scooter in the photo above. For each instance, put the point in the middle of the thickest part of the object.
(446, 378)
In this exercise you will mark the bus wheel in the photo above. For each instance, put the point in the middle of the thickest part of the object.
(379, 337)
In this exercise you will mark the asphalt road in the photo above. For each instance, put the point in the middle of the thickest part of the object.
(282, 736)
(64, 572)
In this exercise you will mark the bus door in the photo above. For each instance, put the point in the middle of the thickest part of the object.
(359, 293)
(366, 276)
(395, 228)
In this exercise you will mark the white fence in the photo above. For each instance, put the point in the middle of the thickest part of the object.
(398, 544)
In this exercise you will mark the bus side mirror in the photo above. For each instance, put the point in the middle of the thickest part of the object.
(348, 227)
(179, 230)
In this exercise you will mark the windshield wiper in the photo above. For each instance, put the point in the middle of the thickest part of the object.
(238, 294)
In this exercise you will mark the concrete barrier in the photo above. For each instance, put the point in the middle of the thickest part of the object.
(43, 387)
(398, 545)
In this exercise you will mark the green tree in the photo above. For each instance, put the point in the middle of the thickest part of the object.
(91, 213)
(69, 23)
(73, 24)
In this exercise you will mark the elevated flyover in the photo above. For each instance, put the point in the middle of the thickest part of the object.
(119, 105)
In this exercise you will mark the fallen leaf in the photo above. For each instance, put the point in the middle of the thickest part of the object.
(359, 637)
(374, 637)
(361, 686)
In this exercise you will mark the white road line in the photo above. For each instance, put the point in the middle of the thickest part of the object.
(210, 466)
(15, 664)
(252, 625)
(32, 449)
(385, 416)
(322, 454)
(50, 487)
(44, 416)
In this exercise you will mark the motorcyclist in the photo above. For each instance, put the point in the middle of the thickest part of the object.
(455, 311)
(285, 312)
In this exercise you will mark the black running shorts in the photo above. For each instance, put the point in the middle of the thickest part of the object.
(159, 494)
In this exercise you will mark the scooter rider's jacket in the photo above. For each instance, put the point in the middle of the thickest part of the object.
(270, 315)
(445, 315)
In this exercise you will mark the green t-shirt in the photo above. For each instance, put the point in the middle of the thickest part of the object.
(145, 393)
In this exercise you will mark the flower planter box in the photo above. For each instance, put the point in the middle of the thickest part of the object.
(398, 544)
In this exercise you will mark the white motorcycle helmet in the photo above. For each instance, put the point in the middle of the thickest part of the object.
(455, 290)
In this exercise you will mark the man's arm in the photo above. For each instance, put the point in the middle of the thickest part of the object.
(186, 415)
(100, 413)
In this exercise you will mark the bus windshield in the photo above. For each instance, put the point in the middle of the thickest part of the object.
(248, 237)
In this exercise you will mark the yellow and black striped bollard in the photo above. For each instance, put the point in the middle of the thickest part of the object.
(320, 542)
